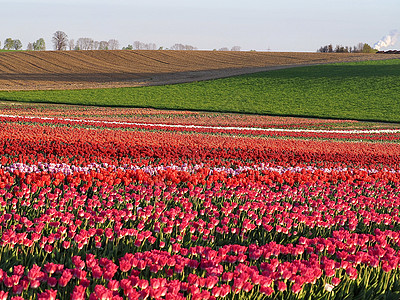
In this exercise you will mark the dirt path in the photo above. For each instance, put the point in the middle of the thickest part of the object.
(41, 70)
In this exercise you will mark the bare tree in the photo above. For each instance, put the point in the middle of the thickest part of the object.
(137, 45)
(236, 48)
(189, 47)
(360, 47)
(223, 49)
(152, 46)
(71, 44)
(113, 44)
(60, 40)
(29, 47)
(182, 47)
(178, 47)
(84, 44)
(103, 45)
(89, 43)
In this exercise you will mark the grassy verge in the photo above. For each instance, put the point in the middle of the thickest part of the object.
(363, 91)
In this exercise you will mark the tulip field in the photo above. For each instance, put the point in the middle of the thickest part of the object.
(118, 203)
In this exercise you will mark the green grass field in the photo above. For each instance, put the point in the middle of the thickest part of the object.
(362, 91)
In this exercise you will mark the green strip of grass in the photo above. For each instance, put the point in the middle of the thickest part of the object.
(363, 91)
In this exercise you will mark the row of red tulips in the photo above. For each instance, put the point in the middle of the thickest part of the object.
(392, 135)
(146, 115)
(28, 143)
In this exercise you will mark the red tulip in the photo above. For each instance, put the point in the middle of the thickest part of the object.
(65, 278)
(48, 295)
(281, 286)
(79, 293)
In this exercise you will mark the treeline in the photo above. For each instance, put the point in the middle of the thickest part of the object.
(16, 44)
(10, 44)
(90, 44)
(137, 45)
(61, 41)
(360, 48)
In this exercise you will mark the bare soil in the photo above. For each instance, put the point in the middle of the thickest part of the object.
(37, 70)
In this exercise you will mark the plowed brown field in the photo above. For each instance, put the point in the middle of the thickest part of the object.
(29, 70)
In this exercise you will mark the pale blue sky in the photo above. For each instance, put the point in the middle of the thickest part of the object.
(280, 25)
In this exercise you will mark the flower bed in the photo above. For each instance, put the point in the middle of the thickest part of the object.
(163, 214)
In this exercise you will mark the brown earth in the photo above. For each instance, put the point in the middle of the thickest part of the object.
(37, 70)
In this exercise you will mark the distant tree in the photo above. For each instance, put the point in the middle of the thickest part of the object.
(29, 47)
(103, 45)
(96, 45)
(138, 45)
(190, 47)
(161, 48)
(71, 44)
(361, 47)
(113, 44)
(182, 47)
(323, 49)
(60, 40)
(223, 49)
(90, 44)
(341, 49)
(368, 49)
(8, 44)
(39, 45)
(79, 44)
(17, 45)
(236, 48)
(151, 46)
(85, 44)
(129, 47)
(337, 48)
(178, 47)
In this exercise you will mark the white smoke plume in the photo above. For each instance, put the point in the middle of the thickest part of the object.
(387, 40)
